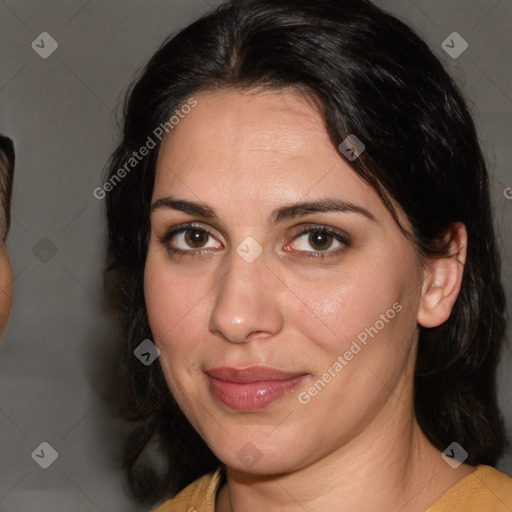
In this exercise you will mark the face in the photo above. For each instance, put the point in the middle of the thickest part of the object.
(327, 293)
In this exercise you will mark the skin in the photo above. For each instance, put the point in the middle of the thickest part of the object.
(245, 154)
(6, 290)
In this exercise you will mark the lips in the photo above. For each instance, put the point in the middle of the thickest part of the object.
(252, 374)
(252, 388)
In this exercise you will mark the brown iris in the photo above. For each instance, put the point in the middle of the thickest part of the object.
(196, 236)
(317, 237)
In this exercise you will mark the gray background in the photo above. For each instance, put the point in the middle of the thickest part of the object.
(59, 351)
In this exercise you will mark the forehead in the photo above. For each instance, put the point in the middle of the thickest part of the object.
(251, 135)
(269, 147)
(241, 125)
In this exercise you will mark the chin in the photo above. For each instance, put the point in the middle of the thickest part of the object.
(256, 455)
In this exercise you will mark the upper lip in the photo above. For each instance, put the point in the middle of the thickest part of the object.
(251, 374)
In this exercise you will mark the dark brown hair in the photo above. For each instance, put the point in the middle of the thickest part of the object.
(372, 76)
(6, 182)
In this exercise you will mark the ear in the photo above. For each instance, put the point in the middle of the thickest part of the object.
(443, 278)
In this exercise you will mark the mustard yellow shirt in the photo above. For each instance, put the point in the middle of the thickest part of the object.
(484, 490)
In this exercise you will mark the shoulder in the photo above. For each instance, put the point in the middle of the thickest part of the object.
(484, 490)
(199, 496)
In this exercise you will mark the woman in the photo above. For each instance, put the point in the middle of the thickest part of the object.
(300, 229)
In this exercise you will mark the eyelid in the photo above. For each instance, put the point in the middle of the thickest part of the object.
(306, 228)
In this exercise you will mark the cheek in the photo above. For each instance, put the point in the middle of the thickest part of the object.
(353, 300)
(175, 306)
(169, 304)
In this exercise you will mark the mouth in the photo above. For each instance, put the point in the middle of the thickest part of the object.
(251, 388)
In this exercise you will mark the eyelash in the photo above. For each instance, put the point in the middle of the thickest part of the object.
(338, 235)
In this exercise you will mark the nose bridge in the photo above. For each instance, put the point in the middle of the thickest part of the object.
(246, 299)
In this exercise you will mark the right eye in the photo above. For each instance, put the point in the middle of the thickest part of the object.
(187, 239)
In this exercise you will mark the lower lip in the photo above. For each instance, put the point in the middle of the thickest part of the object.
(250, 396)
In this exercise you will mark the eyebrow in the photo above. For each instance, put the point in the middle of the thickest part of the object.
(287, 211)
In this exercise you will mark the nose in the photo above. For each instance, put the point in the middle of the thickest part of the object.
(247, 304)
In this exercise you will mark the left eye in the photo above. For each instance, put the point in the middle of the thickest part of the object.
(321, 239)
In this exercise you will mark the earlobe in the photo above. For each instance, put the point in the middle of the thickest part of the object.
(443, 279)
